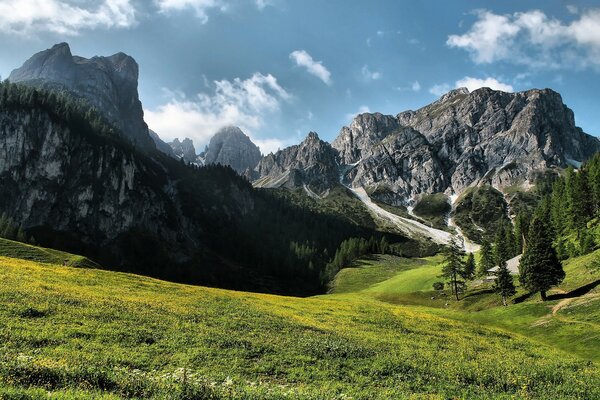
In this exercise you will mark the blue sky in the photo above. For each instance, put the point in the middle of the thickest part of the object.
(280, 69)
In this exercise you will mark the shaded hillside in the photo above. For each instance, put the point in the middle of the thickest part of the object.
(73, 183)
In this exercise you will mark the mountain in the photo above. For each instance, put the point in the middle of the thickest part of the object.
(69, 180)
(184, 150)
(312, 163)
(160, 144)
(107, 83)
(230, 146)
(462, 139)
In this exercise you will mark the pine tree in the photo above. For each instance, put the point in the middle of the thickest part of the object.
(539, 267)
(503, 284)
(487, 258)
(469, 269)
(453, 269)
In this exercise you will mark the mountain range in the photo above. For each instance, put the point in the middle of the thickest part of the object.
(115, 199)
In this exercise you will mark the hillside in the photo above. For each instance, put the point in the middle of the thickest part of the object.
(568, 321)
(87, 333)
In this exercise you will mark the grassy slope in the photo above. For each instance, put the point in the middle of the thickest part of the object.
(40, 254)
(89, 333)
(573, 327)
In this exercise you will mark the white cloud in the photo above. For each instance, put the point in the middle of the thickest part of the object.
(416, 86)
(471, 84)
(316, 68)
(370, 75)
(64, 17)
(476, 83)
(361, 110)
(440, 89)
(243, 103)
(533, 38)
(200, 7)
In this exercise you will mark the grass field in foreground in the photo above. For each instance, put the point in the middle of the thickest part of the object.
(86, 333)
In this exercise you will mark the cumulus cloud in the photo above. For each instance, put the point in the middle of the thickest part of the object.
(440, 89)
(533, 38)
(239, 102)
(316, 68)
(64, 17)
(200, 7)
(361, 110)
(370, 75)
(471, 84)
(476, 83)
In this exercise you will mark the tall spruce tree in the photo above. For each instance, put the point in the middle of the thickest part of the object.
(469, 269)
(487, 258)
(503, 284)
(539, 267)
(454, 269)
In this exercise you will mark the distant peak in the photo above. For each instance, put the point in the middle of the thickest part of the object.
(312, 136)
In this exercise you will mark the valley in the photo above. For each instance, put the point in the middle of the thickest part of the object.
(446, 252)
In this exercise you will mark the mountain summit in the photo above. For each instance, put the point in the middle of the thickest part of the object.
(107, 83)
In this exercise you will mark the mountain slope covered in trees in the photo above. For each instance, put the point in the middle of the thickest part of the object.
(71, 182)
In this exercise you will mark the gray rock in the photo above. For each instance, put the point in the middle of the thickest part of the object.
(312, 162)
(160, 144)
(230, 146)
(107, 83)
(184, 149)
(462, 139)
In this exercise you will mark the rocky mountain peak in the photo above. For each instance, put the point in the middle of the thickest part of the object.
(184, 149)
(230, 146)
(107, 83)
(312, 163)
(366, 130)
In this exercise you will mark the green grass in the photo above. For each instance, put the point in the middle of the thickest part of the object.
(10, 248)
(574, 328)
(87, 333)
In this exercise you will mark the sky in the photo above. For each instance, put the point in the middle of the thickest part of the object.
(279, 69)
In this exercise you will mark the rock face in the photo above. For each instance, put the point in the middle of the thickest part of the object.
(160, 144)
(184, 150)
(230, 146)
(92, 195)
(460, 140)
(312, 162)
(107, 83)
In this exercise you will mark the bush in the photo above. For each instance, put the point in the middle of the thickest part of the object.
(438, 286)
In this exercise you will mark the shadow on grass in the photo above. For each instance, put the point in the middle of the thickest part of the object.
(580, 291)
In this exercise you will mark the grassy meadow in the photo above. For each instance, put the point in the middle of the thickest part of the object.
(68, 332)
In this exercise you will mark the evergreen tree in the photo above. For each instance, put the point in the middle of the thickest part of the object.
(539, 267)
(487, 258)
(469, 270)
(453, 269)
(503, 284)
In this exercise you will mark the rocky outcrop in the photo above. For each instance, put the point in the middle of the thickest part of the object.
(230, 146)
(160, 144)
(312, 163)
(184, 150)
(365, 131)
(462, 139)
(107, 83)
(402, 164)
